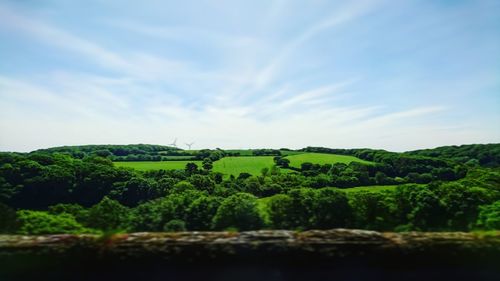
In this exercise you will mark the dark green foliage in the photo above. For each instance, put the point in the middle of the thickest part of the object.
(279, 207)
(420, 207)
(174, 226)
(108, 215)
(373, 210)
(77, 211)
(191, 168)
(238, 211)
(148, 216)
(7, 219)
(78, 190)
(136, 190)
(201, 211)
(331, 209)
(462, 203)
(203, 183)
(281, 162)
(485, 178)
(207, 164)
(489, 216)
(266, 152)
(38, 222)
(307, 208)
(133, 152)
(487, 155)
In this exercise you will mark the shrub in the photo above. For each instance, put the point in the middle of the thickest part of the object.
(108, 215)
(175, 225)
(489, 216)
(39, 222)
(239, 211)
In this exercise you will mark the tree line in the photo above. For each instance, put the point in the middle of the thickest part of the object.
(56, 192)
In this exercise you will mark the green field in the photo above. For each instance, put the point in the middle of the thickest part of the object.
(248, 164)
(243, 164)
(156, 165)
(176, 158)
(322, 158)
(228, 166)
(248, 152)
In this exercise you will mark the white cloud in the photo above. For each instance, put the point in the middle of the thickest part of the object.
(244, 101)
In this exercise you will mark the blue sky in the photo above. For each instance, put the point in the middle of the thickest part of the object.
(396, 75)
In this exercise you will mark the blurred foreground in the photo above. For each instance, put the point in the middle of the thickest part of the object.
(338, 254)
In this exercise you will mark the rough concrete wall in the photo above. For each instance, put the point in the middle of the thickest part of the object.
(280, 250)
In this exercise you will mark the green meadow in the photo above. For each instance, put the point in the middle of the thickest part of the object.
(243, 164)
(156, 165)
(322, 158)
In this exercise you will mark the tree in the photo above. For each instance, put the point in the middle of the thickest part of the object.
(148, 216)
(489, 216)
(279, 211)
(202, 182)
(331, 209)
(302, 207)
(77, 211)
(135, 191)
(420, 207)
(306, 166)
(282, 162)
(380, 178)
(108, 215)
(253, 186)
(175, 225)
(201, 212)
(191, 168)
(7, 219)
(39, 222)
(373, 210)
(207, 164)
(264, 172)
(462, 204)
(239, 211)
(181, 187)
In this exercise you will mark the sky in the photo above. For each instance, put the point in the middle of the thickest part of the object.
(395, 75)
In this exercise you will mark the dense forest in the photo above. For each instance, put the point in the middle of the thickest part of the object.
(80, 190)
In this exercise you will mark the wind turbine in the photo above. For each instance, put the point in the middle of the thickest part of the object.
(174, 144)
(189, 145)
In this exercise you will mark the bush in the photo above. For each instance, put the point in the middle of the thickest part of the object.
(279, 206)
(174, 226)
(331, 209)
(39, 222)
(77, 211)
(7, 219)
(108, 215)
(489, 216)
(201, 212)
(239, 211)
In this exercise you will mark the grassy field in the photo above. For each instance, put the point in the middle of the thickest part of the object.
(156, 165)
(322, 158)
(248, 152)
(177, 158)
(248, 164)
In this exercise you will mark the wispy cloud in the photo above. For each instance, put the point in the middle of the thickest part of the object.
(345, 14)
(272, 83)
